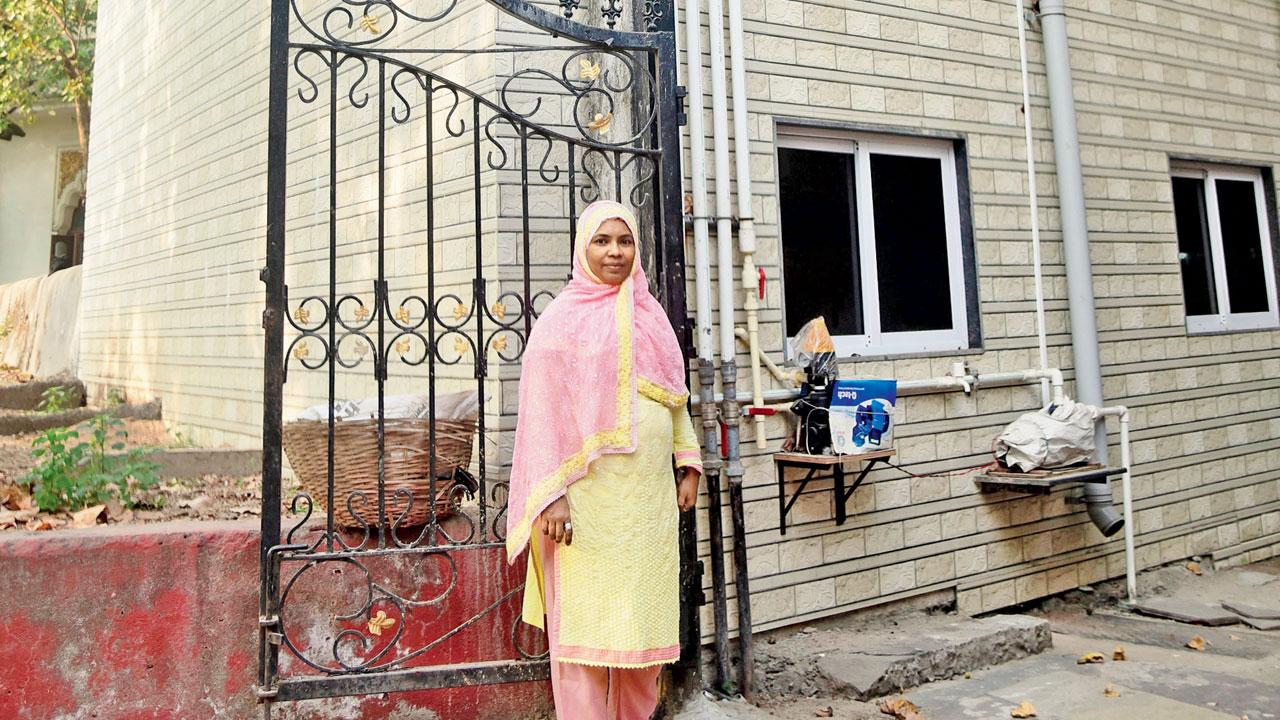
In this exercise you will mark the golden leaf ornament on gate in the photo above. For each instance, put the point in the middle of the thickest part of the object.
(302, 315)
(460, 311)
(402, 345)
(369, 23)
(499, 343)
(499, 310)
(588, 70)
(380, 622)
(362, 312)
(460, 346)
(600, 123)
(402, 314)
(301, 351)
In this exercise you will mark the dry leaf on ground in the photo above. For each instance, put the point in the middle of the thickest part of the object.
(39, 523)
(1110, 691)
(1091, 658)
(1234, 637)
(1024, 710)
(1197, 643)
(87, 517)
(14, 497)
(900, 708)
(827, 711)
(1195, 568)
(1118, 653)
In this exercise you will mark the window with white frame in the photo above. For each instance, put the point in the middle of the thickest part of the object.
(1224, 247)
(872, 240)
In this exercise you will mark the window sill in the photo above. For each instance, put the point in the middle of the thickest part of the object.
(1231, 331)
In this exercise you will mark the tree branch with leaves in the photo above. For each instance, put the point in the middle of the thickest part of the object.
(46, 55)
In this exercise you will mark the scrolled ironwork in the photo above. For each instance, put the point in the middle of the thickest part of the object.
(340, 26)
(611, 10)
(598, 93)
(652, 14)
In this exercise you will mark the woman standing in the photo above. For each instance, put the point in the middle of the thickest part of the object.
(602, 413)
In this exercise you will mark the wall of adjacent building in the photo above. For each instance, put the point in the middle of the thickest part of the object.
(1152, 79)
(28, 171)
(177, 221)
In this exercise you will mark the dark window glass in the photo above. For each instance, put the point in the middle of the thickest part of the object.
(1193, 246)
(911, 243)
(819, 239)
(1242, 246)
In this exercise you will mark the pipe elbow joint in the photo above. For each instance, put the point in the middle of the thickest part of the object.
(1104, 515)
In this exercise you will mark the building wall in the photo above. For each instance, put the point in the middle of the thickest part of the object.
(28, 169)
(1152, 79)
(176, 225)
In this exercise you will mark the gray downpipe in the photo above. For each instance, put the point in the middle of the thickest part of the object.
(1075, 247)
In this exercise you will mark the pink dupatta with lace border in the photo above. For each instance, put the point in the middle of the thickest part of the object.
(590, 351)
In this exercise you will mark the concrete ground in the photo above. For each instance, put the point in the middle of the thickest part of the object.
(1236, 675)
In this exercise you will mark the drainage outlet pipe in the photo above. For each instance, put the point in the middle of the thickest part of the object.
(1075, 246)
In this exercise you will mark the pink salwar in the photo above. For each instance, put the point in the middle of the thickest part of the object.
(588, 692)
(585, 692)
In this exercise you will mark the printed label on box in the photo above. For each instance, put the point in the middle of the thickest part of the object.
(862, 415)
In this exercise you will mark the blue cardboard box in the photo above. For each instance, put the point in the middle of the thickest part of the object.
(862, 415)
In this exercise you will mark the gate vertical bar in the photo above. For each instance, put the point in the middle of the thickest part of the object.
(273, 325)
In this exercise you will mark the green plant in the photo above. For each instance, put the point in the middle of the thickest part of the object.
(74, 474)
(115, 397)
(55, 399)
(182, 440)
(46, 52)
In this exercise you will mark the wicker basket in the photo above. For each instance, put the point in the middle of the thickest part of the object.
(355, 465)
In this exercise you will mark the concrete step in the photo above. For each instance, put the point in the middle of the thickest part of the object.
(875, 660)
(27, 396)
(17, 422)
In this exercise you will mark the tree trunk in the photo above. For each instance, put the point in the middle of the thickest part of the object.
(82, 124)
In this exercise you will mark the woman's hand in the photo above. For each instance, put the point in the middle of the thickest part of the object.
(687, 490)
(555, 523)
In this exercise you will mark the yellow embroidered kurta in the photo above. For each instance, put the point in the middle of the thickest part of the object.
(615, 597)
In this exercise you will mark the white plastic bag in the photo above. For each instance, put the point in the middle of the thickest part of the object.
(1058, 435)
(463, 405)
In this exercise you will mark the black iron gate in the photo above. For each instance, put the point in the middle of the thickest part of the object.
(423, 180)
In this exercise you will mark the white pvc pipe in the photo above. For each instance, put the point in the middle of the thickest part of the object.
(720, 141)
(1020, 20)
(948, 383)
(1126, 490)
(697, 157)
(794, 377)
(746, 214)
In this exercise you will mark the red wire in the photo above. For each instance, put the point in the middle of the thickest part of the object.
(952, 473)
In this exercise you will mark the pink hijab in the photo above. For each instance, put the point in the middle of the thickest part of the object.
(591, 350)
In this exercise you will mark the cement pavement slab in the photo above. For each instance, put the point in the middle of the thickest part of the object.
(1187, 611)
(1261, 624)
(1252, 611)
